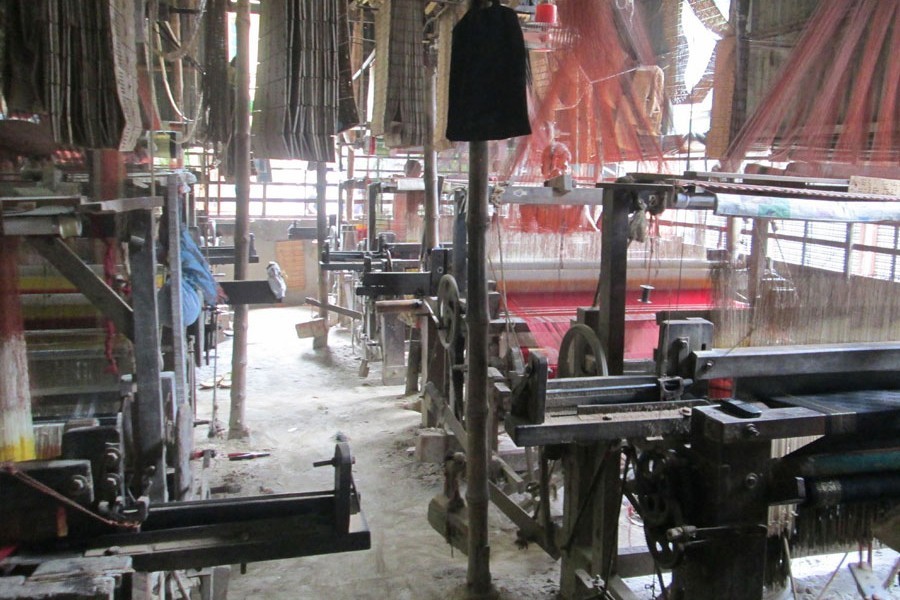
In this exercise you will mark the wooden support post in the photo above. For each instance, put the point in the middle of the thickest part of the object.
(606, 507)
(371, 204)
(848, 251)
(759, 244)
(477, 320)
(184, 415)
(179, 347)
(237, 427)
(733, 238)
(107, 174)
(431, 237)
(613, 273)
(414, 363)
(578, 471)
(321, 238)
(149, 417)
(16, 430)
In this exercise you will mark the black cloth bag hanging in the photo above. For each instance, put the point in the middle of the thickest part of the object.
(488, 77)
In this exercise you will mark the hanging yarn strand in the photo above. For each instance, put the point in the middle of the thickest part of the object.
(844, 61)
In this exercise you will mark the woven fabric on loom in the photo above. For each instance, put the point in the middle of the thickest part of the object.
(399, 112)
(302, 100)
(549, 316)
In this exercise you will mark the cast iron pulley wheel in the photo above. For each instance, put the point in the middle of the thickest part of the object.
(654, 489)
(449, 311)
(665, 552)
(659, 507)
(581, 354)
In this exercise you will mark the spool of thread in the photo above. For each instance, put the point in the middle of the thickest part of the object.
(545, 13)
(645, 293)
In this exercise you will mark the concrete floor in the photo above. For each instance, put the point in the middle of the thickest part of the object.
(300, 401)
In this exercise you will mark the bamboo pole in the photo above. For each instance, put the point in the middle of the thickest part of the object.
(431, 236)
(477, 320)
(237, 427)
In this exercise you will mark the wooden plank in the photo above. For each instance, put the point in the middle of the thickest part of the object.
(347, 312)
(149, 420)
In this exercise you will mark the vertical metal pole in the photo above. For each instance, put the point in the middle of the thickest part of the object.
(431, 237)
(16, 430)
(237, 427)
(613, 274)
(477, 319)
(321, 236)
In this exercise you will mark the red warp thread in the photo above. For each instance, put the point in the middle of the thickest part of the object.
(835, 99)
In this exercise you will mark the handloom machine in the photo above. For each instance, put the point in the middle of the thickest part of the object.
(382, 273)
(702, 441)
(111, 499)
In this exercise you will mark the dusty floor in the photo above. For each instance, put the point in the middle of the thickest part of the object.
(300, 401)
